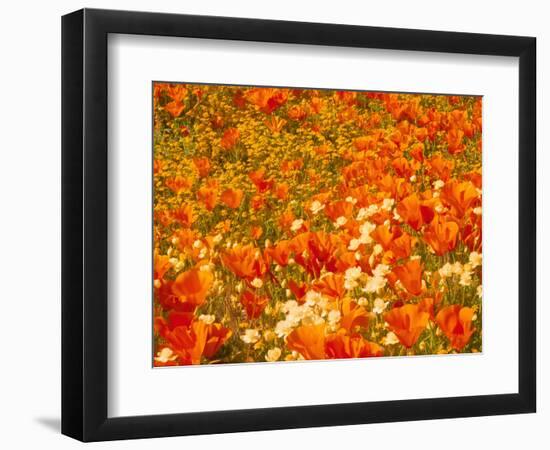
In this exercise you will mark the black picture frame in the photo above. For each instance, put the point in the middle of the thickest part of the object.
(84, 224)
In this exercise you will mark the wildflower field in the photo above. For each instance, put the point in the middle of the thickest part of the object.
(295, 224)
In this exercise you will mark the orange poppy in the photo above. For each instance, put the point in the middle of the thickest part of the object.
(267, 99)
(427, 305)
(257, 202)
(188, 342)
(441, 235)
(275, 124)
(417, 152)
(256, 232)
(177, 92)
(331, 285)
(440, 167)
(245, 262)
(280, 252)
(407, 322)
(192, 286)
(401, 247)
(455, 141)
(161, 266)
(384, 235)
(299, 290)
(339, 345)
(456, 322)
(157, 166)
(209, 196)
(185, 238)
(353, 316)
(410, 275)
(258, 178)
(340, 208)
(413, 212)
(184, 215)
(230, 138)
(297, 113)
(203, 166)
(174, 108)
(216, 336)
(232, 197)
(253, 304)
(281, 191)
(308, 340)
(179, 184)
(459, 196)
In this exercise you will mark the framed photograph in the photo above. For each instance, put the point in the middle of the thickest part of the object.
(273, 224)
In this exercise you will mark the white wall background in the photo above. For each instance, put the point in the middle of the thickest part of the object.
(30, 223)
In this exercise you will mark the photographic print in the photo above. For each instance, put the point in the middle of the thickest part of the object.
(312, 224)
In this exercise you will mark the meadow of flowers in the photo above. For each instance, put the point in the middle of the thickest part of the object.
(295, 224)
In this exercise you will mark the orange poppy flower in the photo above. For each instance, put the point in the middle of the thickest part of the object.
(340, 208)
(177, 92)
(403, 168)
(174, 319)
(174, 108)
(454, 141)
(179, 184)
(216, 336)
(209, 196)
(459, 196)
(308, 340)
(421, 134)
(407, 322)
(258, 178)
(410, 275)
(253, 304)
(157, 166)
(230, 138)
(275, 124)
(193, 342)
(441, 235)
(188, 342)
(257, 202)
(456, 322)
(317, 104)
(161, 266)
(232, 197)
(417, 152)
(339, 346)
(401, 247)
(299, 290)
(184, 215)
(267, 99)
(427, 305)
(384, 235)
(440, 167)
(331, 285)
(281, 191)
(256, 232)
(297, 112)
(414, 212)
(280, 252)
(185, 238)
(353, 316)
(323, 246)
(203, 166)
(192, 286)
(245, 262)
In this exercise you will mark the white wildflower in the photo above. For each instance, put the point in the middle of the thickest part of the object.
(273, 354)
(250, 336)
